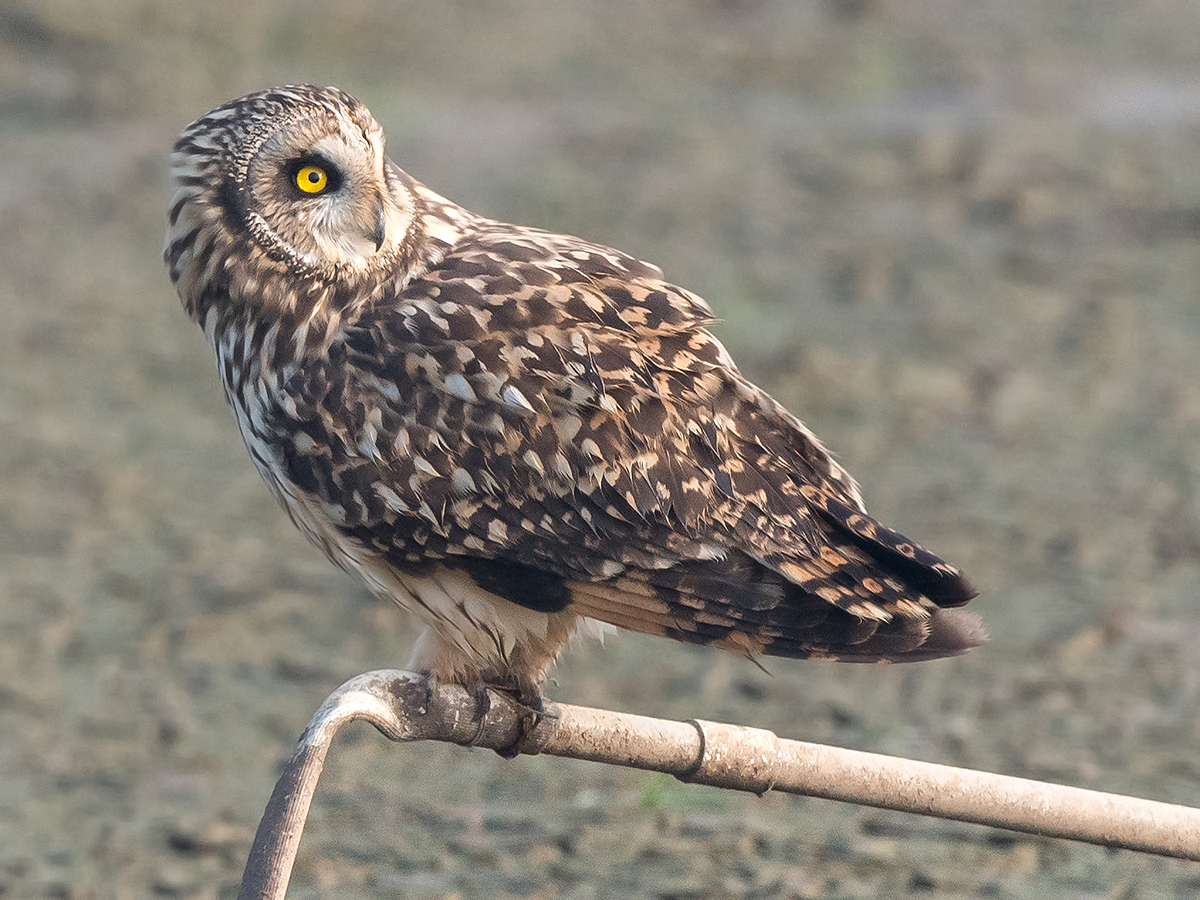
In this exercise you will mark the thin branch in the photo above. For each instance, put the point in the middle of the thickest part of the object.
(404, 707)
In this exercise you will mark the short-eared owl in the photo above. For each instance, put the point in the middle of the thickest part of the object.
(513, 432)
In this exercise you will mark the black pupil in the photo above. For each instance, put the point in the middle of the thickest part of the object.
(314, 176)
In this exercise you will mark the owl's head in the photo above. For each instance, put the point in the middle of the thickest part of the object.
(282, 189)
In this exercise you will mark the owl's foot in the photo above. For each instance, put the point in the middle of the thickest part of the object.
(481, 701)
(525, 694)
(530, 704)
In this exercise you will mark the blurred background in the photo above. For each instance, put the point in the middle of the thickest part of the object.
(958, 239)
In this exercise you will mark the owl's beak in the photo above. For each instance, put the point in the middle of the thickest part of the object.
(379, 234)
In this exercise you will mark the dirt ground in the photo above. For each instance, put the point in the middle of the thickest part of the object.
(959, 239)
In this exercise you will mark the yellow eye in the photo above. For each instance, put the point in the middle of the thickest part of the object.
(312, 179)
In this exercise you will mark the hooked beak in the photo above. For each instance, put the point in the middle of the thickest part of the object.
(379, 233)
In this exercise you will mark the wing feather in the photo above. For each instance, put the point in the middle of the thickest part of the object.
(557, 408)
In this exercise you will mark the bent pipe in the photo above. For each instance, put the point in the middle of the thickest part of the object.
(405, 707)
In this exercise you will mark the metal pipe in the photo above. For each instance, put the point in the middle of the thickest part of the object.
(405, 707)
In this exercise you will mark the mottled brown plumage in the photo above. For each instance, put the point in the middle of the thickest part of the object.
(509, 430)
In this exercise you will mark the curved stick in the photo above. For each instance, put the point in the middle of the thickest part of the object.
(405, 707)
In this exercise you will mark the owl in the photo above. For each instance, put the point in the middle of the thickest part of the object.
(515, 434)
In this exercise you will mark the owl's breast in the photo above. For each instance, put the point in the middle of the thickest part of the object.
(260, 397)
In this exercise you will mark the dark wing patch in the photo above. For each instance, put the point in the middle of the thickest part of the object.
(524, 585)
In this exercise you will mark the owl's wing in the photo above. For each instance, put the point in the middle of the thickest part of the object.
(553, 418)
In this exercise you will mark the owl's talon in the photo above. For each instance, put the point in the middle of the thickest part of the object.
(482, 699)
(530, 704)
(430, 687)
